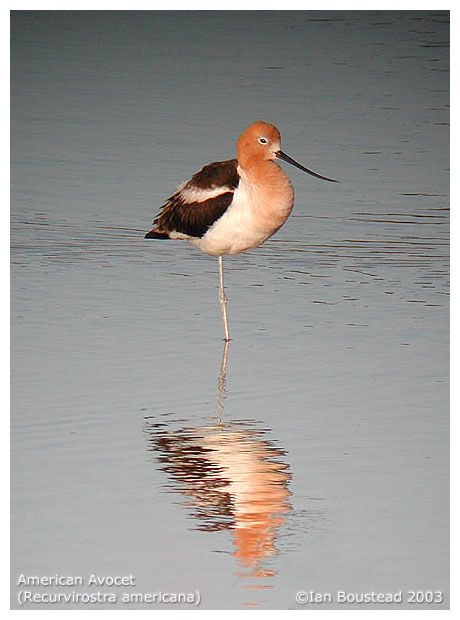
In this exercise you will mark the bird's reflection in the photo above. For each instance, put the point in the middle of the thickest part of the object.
(232, 478)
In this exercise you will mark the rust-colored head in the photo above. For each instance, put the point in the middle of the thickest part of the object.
(258, 141)
(262, 141)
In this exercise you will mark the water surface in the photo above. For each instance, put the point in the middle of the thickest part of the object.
(313, 453)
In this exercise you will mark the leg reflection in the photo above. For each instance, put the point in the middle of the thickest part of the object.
(221, 383)
(231, 476)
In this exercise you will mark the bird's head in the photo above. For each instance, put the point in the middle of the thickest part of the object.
(262, 141)
(258, 141)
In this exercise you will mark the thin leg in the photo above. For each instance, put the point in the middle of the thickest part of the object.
(223, 298)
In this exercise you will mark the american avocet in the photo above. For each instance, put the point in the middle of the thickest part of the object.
(235, 205)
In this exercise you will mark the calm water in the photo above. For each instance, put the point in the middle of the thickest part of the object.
(313, 453)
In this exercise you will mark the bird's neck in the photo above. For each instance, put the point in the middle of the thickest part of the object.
(269, 190)
(263, 172)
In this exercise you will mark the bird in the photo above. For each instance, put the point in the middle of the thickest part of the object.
(235, 205)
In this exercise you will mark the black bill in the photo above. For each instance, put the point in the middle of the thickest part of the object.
(284, 157)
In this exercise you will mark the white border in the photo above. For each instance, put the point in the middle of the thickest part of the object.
(234, 5)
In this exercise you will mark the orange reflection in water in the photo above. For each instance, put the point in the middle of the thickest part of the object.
(233, 479)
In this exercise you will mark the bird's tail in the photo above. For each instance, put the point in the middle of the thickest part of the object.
(154, 234)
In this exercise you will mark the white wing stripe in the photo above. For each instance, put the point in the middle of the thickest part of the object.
(197, 194)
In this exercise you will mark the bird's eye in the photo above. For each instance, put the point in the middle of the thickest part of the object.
(263, 140)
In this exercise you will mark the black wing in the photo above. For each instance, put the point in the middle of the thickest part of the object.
(199, 202)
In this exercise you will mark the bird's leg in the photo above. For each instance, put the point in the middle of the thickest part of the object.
(223, 298)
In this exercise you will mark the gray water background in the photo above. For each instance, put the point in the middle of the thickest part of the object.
(127, 456)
